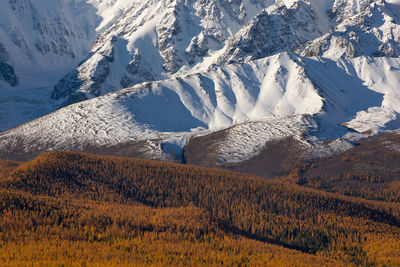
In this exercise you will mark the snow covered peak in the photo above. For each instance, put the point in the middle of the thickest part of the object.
(156, 40)
(372, 31)
(153, 40)
(325, 68)
(271, 31)
(160, 38)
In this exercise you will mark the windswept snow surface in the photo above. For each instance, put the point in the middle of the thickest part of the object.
(311, 99)
(18, 106)
(312, 70)
(275, 86)
(246, 140)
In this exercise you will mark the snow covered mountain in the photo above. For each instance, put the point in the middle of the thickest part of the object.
(153, 40)
(156, 40)
(42, 40)
(157, 73)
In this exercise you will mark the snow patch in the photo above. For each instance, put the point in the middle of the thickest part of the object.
(247, 140)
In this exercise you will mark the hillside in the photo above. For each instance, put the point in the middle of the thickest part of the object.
(118, 205)
(368, 170)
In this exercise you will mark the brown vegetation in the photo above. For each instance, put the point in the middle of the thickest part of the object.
(370, 170)
(160, 213)
(6, 166)
(53, 231)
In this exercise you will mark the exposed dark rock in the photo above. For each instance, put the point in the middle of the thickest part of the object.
(67, 85)
(7, 74)
(270, 33)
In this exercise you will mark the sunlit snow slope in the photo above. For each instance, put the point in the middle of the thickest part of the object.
(156, 73)
(319, 98)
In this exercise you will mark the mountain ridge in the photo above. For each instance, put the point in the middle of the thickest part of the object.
(298, 70)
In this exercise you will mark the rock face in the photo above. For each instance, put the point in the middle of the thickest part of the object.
(375, 31)
(99, 67)
(280, 29)
(7, 73)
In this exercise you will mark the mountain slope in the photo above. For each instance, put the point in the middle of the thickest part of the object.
(164, 210)
(369, 170)
(172, 110)
(274, 30)
(304, 101)
(155, 39)
(41, 41)
(374, 31)
(294, 73)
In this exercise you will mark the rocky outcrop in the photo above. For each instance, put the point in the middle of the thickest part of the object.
(168, 30)
(7, 72)
(98, 65)
(270, 32)
(374, 31)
